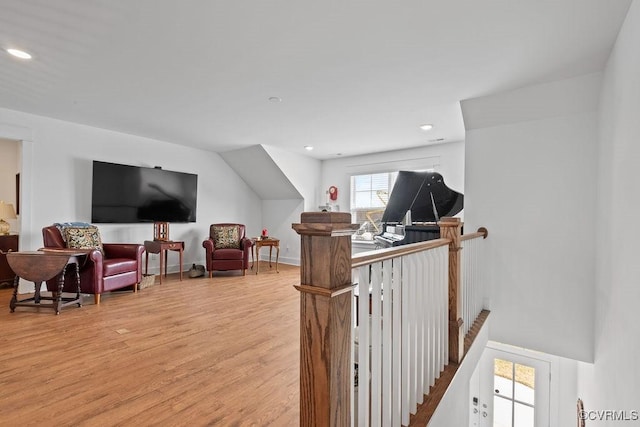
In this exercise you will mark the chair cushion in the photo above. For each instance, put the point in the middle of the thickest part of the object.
(114, 266)
(83, 238)
(228, 254)
(226, 237)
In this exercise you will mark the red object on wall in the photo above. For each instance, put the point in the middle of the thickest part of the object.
(333, 192)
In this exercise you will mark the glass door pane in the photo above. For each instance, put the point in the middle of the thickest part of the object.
(523, 415)
(514, 394)
(524, 390)
(503, 378)
(502, 416)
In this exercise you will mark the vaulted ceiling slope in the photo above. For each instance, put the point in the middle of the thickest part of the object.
(258, 169)
(347, 77)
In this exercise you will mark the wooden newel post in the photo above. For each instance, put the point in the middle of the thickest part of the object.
(451, 228)
(325, 318)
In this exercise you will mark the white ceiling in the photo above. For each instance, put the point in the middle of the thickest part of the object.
(354, 76)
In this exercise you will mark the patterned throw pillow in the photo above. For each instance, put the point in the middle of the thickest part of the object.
(83, 238)
(226, 237)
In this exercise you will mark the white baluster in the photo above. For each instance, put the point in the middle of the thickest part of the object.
(397, 347)
(445, 304)
(406, 304)
(376, 343)
(387, 325)
(363, 346)
(419, 286)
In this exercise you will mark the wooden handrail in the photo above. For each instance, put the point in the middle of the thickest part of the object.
(380, 255)
(482, 232)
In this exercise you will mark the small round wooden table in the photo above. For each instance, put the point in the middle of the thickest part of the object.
(39, 266)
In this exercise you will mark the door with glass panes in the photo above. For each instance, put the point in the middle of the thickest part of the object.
(514, 390)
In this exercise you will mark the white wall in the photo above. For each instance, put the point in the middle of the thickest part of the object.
(302, 171)
(533, 185)
(448, 160)
(59, 188)
(564, 380)
(453, 409)
(278, 215)
(613, 381)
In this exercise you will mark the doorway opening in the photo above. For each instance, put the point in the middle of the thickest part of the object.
(512, 389)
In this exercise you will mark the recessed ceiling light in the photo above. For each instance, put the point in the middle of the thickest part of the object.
(308, 147)
(275, 99)
(19, 53)
(426, 126)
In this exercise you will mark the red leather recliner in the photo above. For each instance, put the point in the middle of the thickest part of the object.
(119, 267)
(227, 258)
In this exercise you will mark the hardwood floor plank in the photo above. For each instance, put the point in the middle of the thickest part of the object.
(220, 351)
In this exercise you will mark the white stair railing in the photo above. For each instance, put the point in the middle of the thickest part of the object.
(408, 324)
(401, 335)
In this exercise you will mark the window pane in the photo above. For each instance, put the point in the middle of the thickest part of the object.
(376, 202)
(363, 200)
(503, 378)
(502, 412)
(525, 384)
(392, 179)
(380, 181)
(365, 188)
(370, 193)
(523, 416)
(362, 182)
(383, 195)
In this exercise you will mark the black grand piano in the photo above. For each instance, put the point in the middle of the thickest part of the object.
(417, 202)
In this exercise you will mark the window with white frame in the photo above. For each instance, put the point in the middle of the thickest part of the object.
(369, 196)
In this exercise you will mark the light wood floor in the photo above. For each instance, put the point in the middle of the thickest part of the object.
(221, 351)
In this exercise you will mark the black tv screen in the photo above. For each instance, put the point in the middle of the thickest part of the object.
(130, 194)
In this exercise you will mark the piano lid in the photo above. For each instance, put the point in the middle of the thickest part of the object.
(425, 194)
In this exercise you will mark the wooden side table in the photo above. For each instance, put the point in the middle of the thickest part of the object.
(162, 247)
(39, 266)
(259, 243)
(8, 243)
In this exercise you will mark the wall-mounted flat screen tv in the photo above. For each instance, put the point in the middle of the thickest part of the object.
(130, 194)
